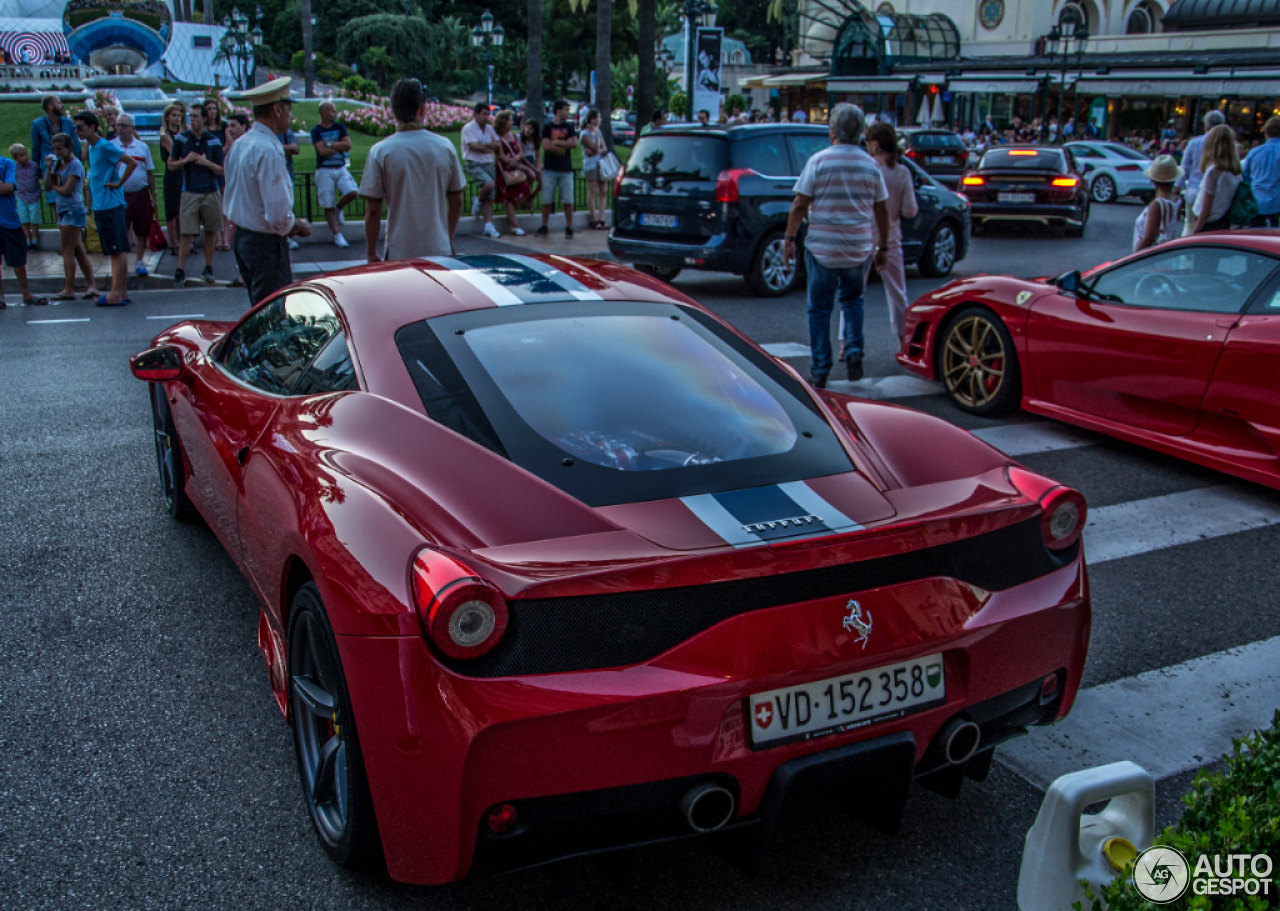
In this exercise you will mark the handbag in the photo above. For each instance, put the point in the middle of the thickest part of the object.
(156, 240)
(1244, 206)
(514, 177)
(609, 166)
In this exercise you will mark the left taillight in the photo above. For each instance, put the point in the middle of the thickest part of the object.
(1063, 509)
(461, 614)
(727, 184)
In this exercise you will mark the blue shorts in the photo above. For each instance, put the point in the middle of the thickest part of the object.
(28, 212)
(13, 247)
(71, 218)
(113, 233)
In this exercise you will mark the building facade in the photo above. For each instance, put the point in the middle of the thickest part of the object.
(1133, 66)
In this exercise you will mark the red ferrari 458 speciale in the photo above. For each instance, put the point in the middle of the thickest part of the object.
(552, 561)
(1176, 348)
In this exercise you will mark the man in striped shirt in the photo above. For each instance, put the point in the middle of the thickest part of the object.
(843, 195)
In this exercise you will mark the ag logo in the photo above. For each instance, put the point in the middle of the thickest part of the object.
(1161, 875)
(764, 715)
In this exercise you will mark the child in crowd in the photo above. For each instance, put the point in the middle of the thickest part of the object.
(66, 179)
(28, 193)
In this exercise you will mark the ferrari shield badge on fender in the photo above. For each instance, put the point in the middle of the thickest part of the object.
(858, 622)
(1022, 296)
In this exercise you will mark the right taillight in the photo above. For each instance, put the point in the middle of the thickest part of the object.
(973, 181)
(1063, 509)
(461, 614)
(727, 184)
(617, 181)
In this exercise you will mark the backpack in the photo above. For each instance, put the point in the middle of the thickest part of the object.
(1244, 206)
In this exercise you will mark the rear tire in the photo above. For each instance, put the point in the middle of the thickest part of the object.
(662, 273)
(939, 255)
(173, 473)
(978, 364)
(1104, 189)
(770, 275)
(331, 769)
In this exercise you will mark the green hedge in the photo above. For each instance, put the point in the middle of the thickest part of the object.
(1232, 812)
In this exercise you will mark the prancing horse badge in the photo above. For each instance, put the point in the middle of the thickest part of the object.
(858, 622)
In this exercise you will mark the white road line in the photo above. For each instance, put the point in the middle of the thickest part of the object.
(886, 387)
(1139, 526)
(1168, 721)
(787, 349)
(327, 266)
(34, 322)
(179, 316)
(1041, 436)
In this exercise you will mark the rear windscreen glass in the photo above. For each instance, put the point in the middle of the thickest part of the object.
(616, 402)
(937, 141)
(678, 158)
(765, 155)
(1026, 159)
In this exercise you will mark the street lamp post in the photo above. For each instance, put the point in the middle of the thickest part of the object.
(694, 11)
(1063, 37)
(239, 45)
(488, 35)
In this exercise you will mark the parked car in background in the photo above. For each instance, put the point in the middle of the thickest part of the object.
(1028, 183)
(940, 152)
(624, 134)
(717, 199)
(1113, 170)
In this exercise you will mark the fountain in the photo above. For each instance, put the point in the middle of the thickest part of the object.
(122, 38)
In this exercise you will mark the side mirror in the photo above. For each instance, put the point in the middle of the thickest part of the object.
(157, 365)
(1069, 282)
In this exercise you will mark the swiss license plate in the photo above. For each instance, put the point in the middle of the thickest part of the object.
(1017, 197)
(840, 704)
(651, 220)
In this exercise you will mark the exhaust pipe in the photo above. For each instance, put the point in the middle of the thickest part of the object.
(707, 807)
(959, 740)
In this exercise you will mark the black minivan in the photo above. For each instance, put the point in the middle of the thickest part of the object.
(717, 199)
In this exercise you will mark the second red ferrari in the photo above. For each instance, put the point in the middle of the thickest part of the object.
(1176, 348)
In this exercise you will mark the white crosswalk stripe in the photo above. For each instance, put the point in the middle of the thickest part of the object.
(1208, 701)
(1025, 439)
(886, 387)
(1140, 526)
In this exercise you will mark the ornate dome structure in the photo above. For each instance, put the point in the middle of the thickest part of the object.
(117, 34)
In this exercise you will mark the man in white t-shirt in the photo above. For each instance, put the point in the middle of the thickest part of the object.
(842, 193)
(479, 143)
(418, 174)
(139, 189)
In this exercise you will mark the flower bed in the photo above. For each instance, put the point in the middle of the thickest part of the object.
(379, 121)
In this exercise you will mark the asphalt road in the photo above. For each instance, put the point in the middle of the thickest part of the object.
(143, 763)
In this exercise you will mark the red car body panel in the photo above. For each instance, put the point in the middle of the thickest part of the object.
(345, 489)
(1201, 386)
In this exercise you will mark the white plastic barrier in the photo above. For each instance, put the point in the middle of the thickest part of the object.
(1065, 846)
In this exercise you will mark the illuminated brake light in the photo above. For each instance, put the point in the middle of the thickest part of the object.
(973, 181)
(1065, 181)
(1023, 152)
(727, 183)
(461, 614)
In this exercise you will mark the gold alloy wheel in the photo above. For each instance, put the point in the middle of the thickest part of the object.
(973, 361)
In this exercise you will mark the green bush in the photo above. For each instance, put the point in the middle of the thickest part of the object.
(360, 84)
(679, 103)
(1231, 812)
(736, 99)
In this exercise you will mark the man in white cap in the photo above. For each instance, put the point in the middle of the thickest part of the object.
(259, 194)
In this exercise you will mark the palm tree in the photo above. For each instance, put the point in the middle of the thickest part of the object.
(533, 81)
(646, 14)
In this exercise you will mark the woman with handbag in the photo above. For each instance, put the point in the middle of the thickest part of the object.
(1220, 164)
(515, 179)
(593, 149)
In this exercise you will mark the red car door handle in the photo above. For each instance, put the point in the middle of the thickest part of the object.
(1226, 323)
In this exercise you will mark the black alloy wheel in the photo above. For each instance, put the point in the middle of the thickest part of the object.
(977, 362)
(940, 251)
(1104, 189)
(173, 475)
(770, 274)
(330, 766)
(662, 273)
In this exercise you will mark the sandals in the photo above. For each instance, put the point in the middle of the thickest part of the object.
(36, 302)
(64, 297)
(225, 248)
(598, 225)
(91, 294)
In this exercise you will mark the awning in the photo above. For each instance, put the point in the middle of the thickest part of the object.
(784, 80)
(1177, 88)
(868, 86)
(996, 85)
